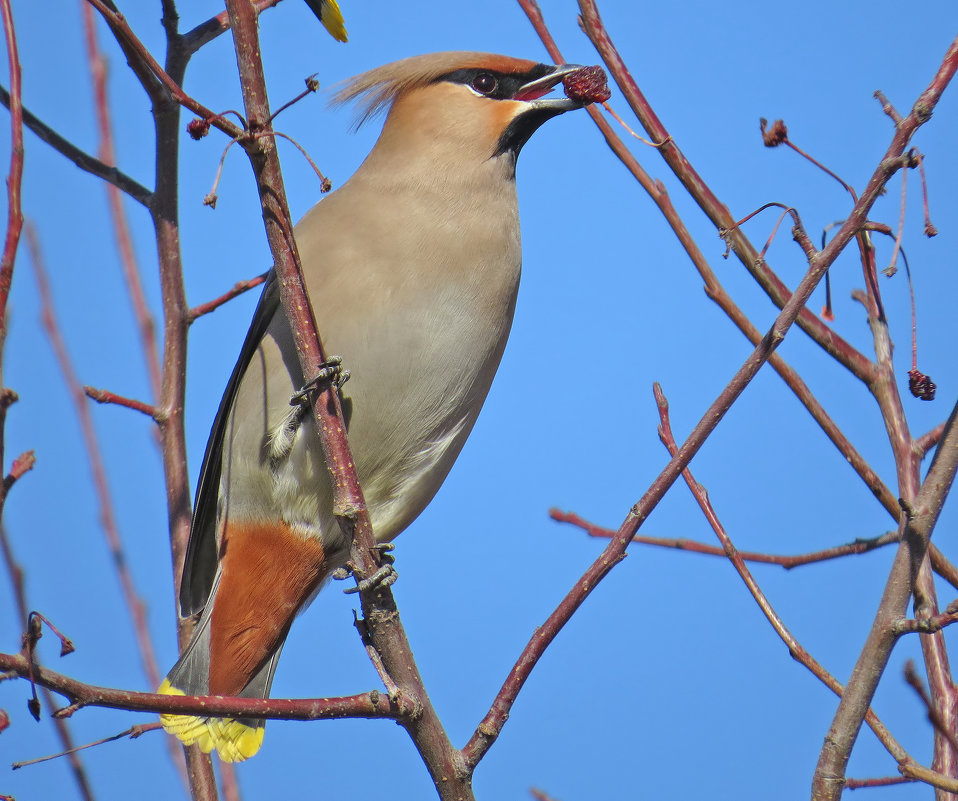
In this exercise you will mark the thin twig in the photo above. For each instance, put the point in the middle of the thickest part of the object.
(238, 289)
(491, 725)
(717, 293)
(15, 174)
(82, 159)
(891, 269)
(207, 31)
(795, 649)
(859, 546)
(884, 781)
(134, 602)
(133, 732)
(144, 65)
(62, 727)
(121, 226)
(105, 396)
(930, 229)
(934, 716)
(873, 659)
(887, 107)
(699, 190)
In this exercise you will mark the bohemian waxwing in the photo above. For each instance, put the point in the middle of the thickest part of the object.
(412, 268)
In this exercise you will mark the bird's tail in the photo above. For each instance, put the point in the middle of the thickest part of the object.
(234, 739)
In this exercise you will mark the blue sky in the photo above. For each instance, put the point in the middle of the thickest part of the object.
(669, 680)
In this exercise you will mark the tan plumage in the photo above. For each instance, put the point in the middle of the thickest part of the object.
(412, 268)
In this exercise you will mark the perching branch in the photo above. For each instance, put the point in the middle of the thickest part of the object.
(379, 610)
(373, 704)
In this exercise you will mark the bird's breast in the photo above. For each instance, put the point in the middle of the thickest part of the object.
(417, 296)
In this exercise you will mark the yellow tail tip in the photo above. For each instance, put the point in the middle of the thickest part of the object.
(332, 19)
(234, 741)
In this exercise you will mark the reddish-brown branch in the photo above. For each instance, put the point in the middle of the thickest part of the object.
(229, 783)
(491, 725)
(824, 336)
(795, 648)
(884, 387)
(928, 440)
(22, 464)
(33, 627)
(887, 107)
(884, 781)
(164, 212)
(379, 610)
(717, 293)
(891, 269)
(207, 31)
(373, 704)
(942, 566)
(680, 544)
(894, 159)
(15, 174)
(105, 396)
(930, 229)
(786, 141)
(915, 532)
(238, 289)
(152, 75)
(934, 716)
(121, 227)
(915, 771)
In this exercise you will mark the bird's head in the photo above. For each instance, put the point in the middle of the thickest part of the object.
(459, 105)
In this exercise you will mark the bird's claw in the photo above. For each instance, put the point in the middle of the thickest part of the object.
(329, 371)
(383, 577)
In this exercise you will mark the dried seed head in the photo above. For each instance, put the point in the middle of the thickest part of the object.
(774, 136)
(921, 385)
(197, 128)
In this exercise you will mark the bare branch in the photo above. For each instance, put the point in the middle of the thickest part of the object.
(373, 704)
(238, 289)
(826, 338)
(15, 175)
(134, 603)
(916, 531)
(379, 610)
(717, 292)
(121, 227)
(788, 562)
(83, 160)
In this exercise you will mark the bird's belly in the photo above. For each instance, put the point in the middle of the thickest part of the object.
(418, 381)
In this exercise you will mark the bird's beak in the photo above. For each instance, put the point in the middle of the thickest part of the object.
(533, 91)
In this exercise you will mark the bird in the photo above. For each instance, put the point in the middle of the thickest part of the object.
(412, 267)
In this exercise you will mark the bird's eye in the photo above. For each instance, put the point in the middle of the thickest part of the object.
(484, 83)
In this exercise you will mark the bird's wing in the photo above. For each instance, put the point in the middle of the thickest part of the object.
(201, 556)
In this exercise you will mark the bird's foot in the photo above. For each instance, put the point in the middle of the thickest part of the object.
(331, 371)
(383, 577)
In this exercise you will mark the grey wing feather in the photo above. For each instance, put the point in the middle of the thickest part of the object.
(199, 567)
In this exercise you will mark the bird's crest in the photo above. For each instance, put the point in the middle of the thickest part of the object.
(377, 89)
